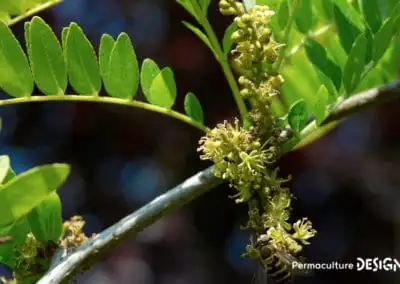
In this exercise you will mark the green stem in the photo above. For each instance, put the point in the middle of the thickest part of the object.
(281, 57)
(222, 59)
(33, 11)
(111, 100)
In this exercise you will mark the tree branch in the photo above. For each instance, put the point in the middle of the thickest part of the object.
(33, 11)
(67, 265)
(363, 100)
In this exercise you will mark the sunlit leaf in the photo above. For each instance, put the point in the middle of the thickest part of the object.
(123, 78)
(162, 91)
(46, 58)
(106, 45)
(45, 220)
(15, 75)
(82, 65)
(29, 189)
(148, 72)
(4, 167)
(193, 108)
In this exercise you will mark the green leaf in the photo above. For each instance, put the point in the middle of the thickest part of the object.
(27, 28)
(123, 77)
(323, 9)
(382, 38)
(199, 34)
(13, 7)
(355, 64)
(4, 167)
(320, 104)
(370, 42)
(29, 189)
(4, 17)
(227, 41)
(204, 4)
(47, 60)
(187, 5)
(283, 14)
(17, 7)
(106, 45)
(64, 34)
(328, 8)
(350, 13)
(304, 16)
(193, 108)
(346, 30)
(15, 75)
(148, 72)
(333, 93)
(372, 15)
(82, 66)
(45, 220)
(319, 58)
(10, 175)
(18, 230)
(298, 116)
(162, 91)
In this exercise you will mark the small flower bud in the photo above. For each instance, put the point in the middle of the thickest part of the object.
(223, 4)
(276, 81)
(239, 36)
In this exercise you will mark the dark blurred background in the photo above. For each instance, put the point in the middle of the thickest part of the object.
(347, 183)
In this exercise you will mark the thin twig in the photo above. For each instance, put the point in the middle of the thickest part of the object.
(175, 198)
(363, 100)
(355, 103)
(33, 11)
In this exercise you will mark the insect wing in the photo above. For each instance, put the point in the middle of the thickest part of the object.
(288, 259)
(249, 3)
(260, 275)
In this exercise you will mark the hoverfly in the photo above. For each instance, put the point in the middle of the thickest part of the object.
(275, 264)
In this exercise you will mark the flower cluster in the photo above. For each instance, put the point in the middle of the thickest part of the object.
(238, 157)
(33, 257)
(255, 51)
(246, 157)
(73, 232)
